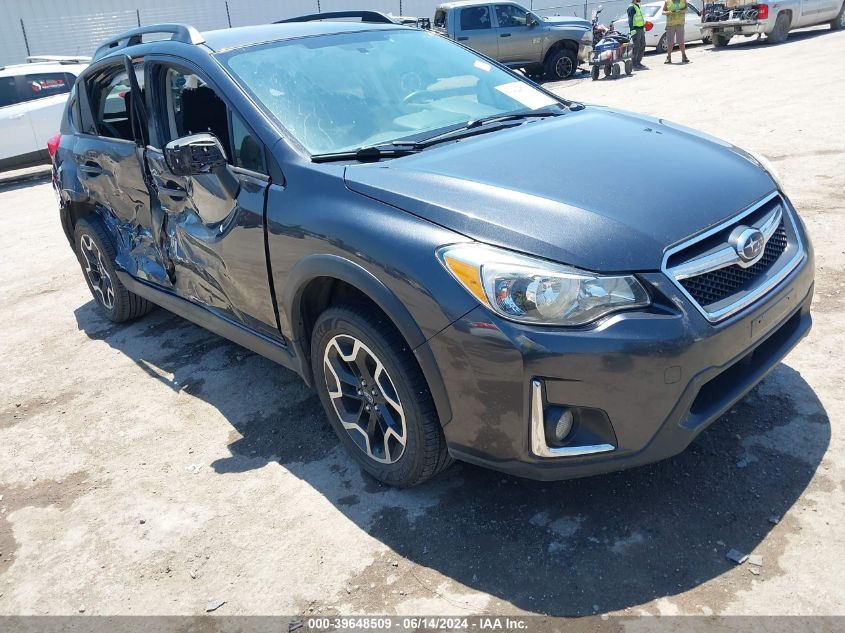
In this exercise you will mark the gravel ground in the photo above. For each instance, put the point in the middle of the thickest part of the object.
(150, 468)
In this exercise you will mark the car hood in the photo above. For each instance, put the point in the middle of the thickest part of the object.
(560, 20)
(597, 189)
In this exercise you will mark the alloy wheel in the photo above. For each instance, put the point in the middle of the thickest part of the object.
(365, 399)
(563, 67)
(98, 276)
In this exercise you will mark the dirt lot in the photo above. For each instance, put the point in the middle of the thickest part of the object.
(150, 468)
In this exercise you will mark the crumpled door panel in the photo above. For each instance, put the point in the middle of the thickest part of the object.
(110, 173)
(213, 240)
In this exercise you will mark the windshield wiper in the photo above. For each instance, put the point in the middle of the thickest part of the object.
(367, 154)
(395, 149)
(510, 117)
(474, 127)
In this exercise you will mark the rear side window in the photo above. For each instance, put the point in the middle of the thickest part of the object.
(42, 85)
(475, 18)
(8, 92)
(111, 97)
(440, 19)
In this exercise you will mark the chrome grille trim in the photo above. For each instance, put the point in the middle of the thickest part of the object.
(708, 263)
(727, 256)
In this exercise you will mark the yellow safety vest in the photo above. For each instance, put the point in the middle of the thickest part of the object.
(639, 20)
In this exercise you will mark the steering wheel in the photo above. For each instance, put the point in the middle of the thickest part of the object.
(415, 95)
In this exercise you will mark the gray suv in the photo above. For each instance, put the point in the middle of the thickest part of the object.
(392, 217)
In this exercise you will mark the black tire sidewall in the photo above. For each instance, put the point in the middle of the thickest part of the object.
(661, 44)
(551, 69)
(781, 30)
(343, 320)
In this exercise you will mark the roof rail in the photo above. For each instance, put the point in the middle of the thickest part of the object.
(58, 59)
(179, 33)
(365, 16)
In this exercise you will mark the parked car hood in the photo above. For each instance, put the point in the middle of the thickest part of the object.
(597, 189)
(562, 20)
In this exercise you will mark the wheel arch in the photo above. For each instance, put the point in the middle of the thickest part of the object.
(571, 45)
(320, 281)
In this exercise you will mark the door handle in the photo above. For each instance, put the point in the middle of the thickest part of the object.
(16, 116)
(90, 168)
(172, 192)
(505, 35)
(463, 39)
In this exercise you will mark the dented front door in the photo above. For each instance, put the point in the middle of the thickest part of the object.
(212, 239)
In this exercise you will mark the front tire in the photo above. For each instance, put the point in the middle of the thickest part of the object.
(96, 254)
(838, 23)
(376, 397)
(561, 65)
(781, 30)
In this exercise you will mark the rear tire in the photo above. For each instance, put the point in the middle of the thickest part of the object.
(838, 23)
(96, 255)
(720, 41)
(629, 67)
(594, 73)
(615, 72)
(661, 45)
(781, 30)
(376, 397)
(561, 65)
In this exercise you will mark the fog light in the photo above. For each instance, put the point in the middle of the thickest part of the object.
(558, 425)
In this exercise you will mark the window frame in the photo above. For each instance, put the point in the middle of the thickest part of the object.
(512, 6)
(103, 74)
(490, 15)
(15, 91)
(156, 72)
(27, 96)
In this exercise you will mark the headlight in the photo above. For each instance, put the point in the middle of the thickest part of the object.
(767, 166)
(530, 290)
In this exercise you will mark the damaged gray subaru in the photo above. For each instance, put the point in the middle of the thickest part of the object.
(430, 241)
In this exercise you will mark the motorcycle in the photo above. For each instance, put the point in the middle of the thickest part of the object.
(599, 30)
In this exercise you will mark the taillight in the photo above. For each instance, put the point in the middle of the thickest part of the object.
(53, 145)
(762, 11)
(649, 26)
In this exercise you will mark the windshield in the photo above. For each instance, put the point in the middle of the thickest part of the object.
(335, 93)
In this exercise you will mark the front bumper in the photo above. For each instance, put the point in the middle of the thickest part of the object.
(661, 376)
(584, 52)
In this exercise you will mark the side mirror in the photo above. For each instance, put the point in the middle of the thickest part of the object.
(195, 154)
(532, 21)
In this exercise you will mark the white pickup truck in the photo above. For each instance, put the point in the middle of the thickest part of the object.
(723, 20)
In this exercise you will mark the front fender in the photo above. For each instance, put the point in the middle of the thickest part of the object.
(340, 268)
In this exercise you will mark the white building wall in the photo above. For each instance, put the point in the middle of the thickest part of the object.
(76, 27)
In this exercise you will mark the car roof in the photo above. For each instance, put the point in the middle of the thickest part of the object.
(226, 39)
(468, 3)
(41, 67)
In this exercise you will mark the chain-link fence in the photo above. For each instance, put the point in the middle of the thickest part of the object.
(77, 27)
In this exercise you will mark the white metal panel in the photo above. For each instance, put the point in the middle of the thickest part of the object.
(247, 12)
(75, 34)
(205, 16)
(385, 6)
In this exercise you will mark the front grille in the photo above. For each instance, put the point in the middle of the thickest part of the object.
(707, 269)
(718, 285)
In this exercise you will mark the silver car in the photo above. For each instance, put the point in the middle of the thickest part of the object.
(656, 35)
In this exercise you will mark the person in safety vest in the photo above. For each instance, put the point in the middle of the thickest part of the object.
(636, 24)
(675, 12)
